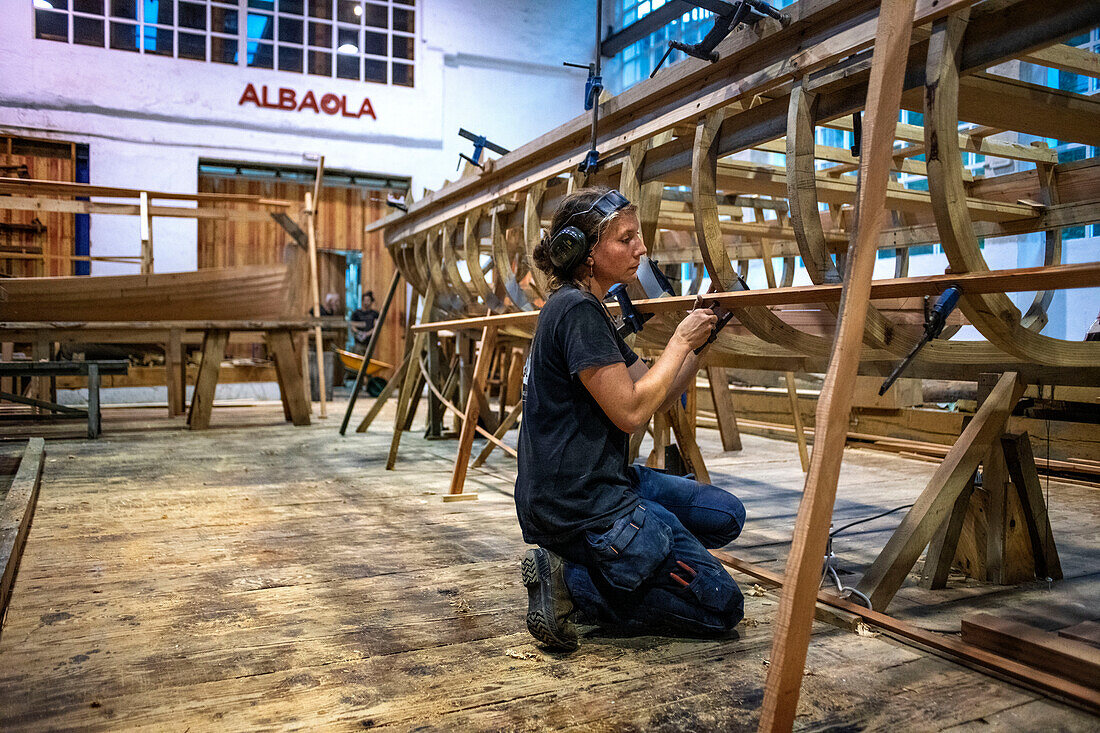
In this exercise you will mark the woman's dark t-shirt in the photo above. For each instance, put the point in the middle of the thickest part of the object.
(572, 458)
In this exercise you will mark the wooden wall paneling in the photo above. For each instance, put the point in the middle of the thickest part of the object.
(48, 253)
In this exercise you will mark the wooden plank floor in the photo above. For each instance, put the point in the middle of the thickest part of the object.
(261, 576)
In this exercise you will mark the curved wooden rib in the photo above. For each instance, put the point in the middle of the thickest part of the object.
(994, 315)
(760, 321)
(879, 331)
(503, 264)
(430, 264)
(1036, 316)
(646, 196)
(471, 248)
(406, 265)
(449, 258)
(532, 225)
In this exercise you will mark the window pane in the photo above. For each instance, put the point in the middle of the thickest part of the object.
(291, 6)
(51, 26)
(262, 4)
(347, 40)
(124, 36)
(158, 40)
(374, 70)
(223, 20)
(88, 31)
(320, 63)
(320, 34)
(347, 66)
(223, 50)
(374, 43)
(290, 58)
(320, 9)
(261, 27)
(159, 12)
(403, 20)
(95, 7)
(261, 55)
(404, 2)
(124, 9)
(376, 16)
(403, 47)
(193, 15)
(192, 46)
(290, 31)
(403, 75)
(349, 11)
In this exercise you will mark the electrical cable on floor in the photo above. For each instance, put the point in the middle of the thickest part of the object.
(831, 562)
(835, 532)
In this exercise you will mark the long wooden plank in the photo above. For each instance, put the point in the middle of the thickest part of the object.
(1086, 631)
(33, 186)
(796, 606)
(949, 646)
(1034, 647)
(998, 281)
(16, 513)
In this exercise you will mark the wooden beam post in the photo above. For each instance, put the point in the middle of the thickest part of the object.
(202, 400)
(412, 374)
(796, 606)
(291, 375)
(473, 408)
(175, 373)
(315, 292)
(723, 408)
(146, 228)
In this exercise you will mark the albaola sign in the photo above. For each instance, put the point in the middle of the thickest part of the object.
(287, 99)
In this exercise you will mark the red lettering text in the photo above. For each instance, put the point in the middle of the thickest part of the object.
(309, 102)
(287, 98)
(249, 96)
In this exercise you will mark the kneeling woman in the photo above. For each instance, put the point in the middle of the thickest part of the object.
(624, 545)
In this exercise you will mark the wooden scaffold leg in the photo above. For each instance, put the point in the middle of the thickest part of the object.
(473, 409)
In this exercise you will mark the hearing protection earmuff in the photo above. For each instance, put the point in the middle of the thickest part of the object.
(570, 246)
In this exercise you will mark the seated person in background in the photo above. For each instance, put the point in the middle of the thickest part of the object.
(363, 320)
(330, 306)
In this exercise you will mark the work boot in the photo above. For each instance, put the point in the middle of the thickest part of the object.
(548, 601)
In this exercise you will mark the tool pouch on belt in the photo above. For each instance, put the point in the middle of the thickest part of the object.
(632, 550)
(712, 588)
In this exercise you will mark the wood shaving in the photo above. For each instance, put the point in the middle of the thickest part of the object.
(520, 655)
(756, 591)
(864, 630)
(749, 623)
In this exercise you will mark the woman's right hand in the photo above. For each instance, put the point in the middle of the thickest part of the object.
(695, 329)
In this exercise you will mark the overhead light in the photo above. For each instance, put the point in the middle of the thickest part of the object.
(348, 48)
(43, 4)
(358, 10)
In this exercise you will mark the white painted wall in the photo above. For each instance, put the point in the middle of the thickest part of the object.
(493, 67)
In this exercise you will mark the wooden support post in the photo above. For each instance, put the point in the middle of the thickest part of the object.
(7, 352)
(473, 408)
(369, 351)
(175, 373)
(41, 351)
(16, 511)
(941, 550)
(412, 374)
(384, 395)
(202, 400)
(93, 401)
(796, 606)
(796, 414)
(315, 292)
(656, 458)
(723, 408)
(685, 439)
(953, 476)
(291, 377)
(505, 425)
(995, 484)
(1021, 468)
(436, 413)
(146, 227)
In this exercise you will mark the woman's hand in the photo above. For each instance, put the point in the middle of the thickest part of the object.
(695, 329)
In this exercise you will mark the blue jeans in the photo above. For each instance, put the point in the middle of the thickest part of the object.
(651, 570)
